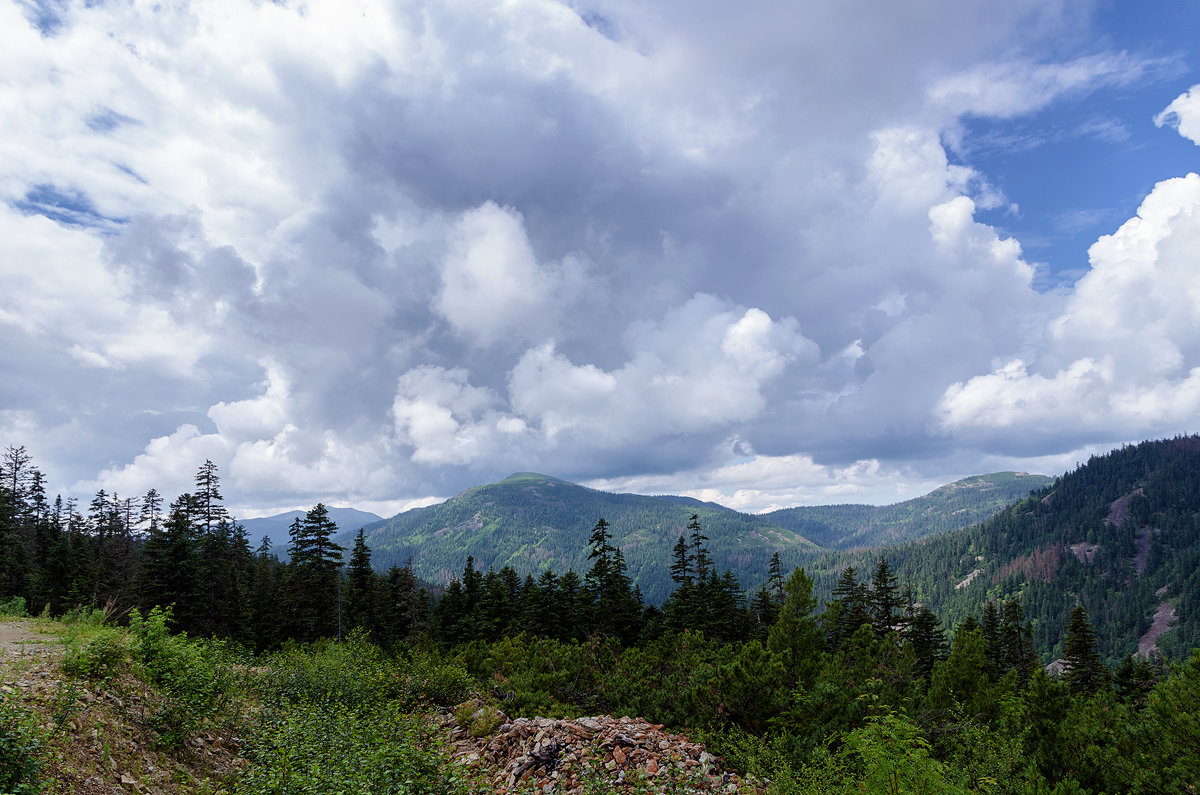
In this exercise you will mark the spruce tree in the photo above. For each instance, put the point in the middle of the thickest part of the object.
(1083, 671)
(210, 508)
(401, 616)
(993, 642)
(1016, 642)
(884, 602)
(314, 580)
(928, 640)
(360, 587)
(847, 611)
(169, 567)
(795, 636)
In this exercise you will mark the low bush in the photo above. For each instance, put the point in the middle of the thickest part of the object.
(192, 680)
(21, 744)
(357, 672)
(325, 747)
(14, 607)
(99, 654)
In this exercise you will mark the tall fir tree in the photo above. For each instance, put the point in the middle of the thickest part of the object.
(795, 636)
(361, 598)
(314, 580)
(883, 601)
(1083, 670)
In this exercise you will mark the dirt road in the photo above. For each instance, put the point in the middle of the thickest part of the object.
(20, 636)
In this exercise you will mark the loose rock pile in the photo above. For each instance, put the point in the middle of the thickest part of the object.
(544, 755)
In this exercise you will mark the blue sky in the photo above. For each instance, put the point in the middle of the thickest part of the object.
(1081, 166)
(768, 255)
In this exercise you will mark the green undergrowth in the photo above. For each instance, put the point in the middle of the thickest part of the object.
(21, 749)
(351, 718)
(194, 684)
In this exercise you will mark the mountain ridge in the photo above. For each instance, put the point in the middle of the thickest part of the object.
(532, 522)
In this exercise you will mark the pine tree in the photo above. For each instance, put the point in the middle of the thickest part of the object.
(400, 615)
(884, 602)
(615, 610)
(681, 563)
(151, 511)
(795, 636)
(1083, 671)
(266, 606)
(1016, 642)
(847, 611)
(209, 502)
(361, 586)
(701, 560)
(775, 582)
(992, 639)
(571, 605)
(169, 567)
(314, 580)
(928, 640)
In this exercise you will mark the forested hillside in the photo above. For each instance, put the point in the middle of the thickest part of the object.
(1118, 535)
(950, 507)
(533, 522)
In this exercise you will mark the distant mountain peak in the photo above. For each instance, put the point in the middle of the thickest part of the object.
(532, 477)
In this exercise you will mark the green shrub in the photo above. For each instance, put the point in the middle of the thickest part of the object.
(192, 682)
(479, 717)
(426, 678)
(352, 673)
(324, 747)
(100, 654)
(21, 746)
(358, 672)
(14, 607)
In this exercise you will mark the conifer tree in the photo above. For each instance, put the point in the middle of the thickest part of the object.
(401, 615)
(928, 640)
(1016, 642)
(210, 508)
(847, 611)
(992, 639)
(571, 605)
(884, 602)
(681, 563)
(701, 560)
(169, 566)
(1083, 671)
(795, 636)
(266, 598)
(775, 582)
(360, 587)
(615, 610)
(314, 580)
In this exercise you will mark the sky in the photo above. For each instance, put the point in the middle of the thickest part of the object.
(373, 253)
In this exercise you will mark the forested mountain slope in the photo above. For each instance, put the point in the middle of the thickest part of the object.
(532, 522)
(1118, 535)
(949, 507)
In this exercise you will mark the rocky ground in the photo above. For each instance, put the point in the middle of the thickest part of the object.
(544, 755)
